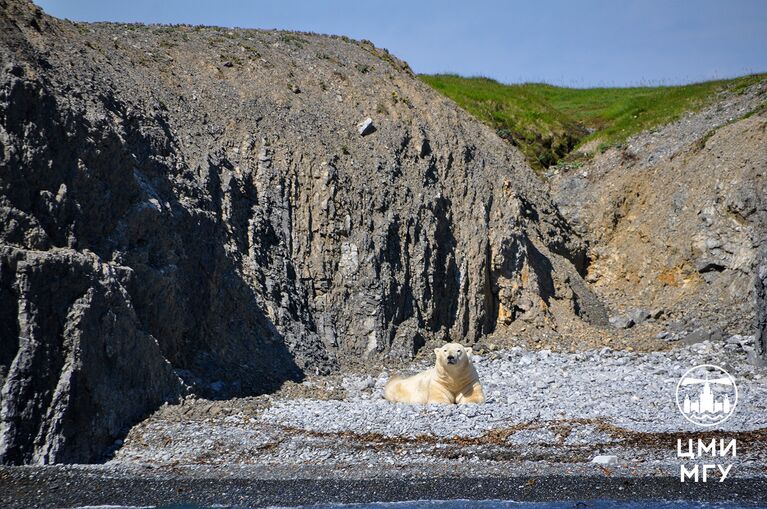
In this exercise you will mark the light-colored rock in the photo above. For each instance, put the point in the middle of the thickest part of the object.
(365, 127)
(638, 315)
(605, 460)
(621, 321)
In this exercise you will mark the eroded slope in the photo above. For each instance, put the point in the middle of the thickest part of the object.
(675, 219)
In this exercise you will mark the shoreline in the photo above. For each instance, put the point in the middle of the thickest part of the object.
(335, 440)
(83, 485)
(547, 414)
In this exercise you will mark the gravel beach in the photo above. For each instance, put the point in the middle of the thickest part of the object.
(336, 439)
(546, 412)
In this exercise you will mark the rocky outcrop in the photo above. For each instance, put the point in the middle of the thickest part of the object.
(672, 217)
(70, 374)
(761, 316)
(760, 280)
(193, 209)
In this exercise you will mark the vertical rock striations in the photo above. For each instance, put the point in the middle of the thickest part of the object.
(760, 241)
(193, 209)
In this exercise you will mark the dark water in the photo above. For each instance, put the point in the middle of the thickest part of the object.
(507, 504)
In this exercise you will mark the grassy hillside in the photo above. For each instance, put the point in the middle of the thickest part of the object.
(548, 123)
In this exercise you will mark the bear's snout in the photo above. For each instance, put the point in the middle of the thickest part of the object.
(452, 358)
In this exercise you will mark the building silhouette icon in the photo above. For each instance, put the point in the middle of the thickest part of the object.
(706, 403)
(705, 399)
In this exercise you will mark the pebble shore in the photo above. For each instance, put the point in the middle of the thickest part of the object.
(547, 417)
(546, 413)
(634, 391)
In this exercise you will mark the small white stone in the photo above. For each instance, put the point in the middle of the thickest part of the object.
(365, 127)
(605, 460)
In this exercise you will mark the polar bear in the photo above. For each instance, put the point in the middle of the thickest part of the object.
(453, 379)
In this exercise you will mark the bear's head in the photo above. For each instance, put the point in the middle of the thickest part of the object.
(453, 356)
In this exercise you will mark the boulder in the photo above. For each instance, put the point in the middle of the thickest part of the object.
(605, 460)
(638, 315)
(621, 321)
(366, 127)
(702, 334)
(84, 368)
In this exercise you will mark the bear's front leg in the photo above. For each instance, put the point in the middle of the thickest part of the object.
(438, 394)
(472, 394)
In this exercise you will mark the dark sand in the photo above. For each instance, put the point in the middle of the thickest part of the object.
(61, 486)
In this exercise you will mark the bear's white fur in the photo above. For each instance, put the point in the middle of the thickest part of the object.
(453, 379)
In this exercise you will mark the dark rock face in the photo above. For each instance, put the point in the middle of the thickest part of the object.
(760, 280)
(82, 361)
(761, 296)
(176, 218)
(87, 355)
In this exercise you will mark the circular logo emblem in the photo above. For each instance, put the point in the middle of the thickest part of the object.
(706, 395)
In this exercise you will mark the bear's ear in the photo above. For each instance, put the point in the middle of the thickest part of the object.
(436, 352)
(468, 350)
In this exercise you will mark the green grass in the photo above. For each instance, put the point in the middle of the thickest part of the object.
(550, 123)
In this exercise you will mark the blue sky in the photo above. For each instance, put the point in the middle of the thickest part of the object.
(583, 43)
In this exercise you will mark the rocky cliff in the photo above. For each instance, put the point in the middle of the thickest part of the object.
(675, 217)
(189, 209)
(761, 287)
